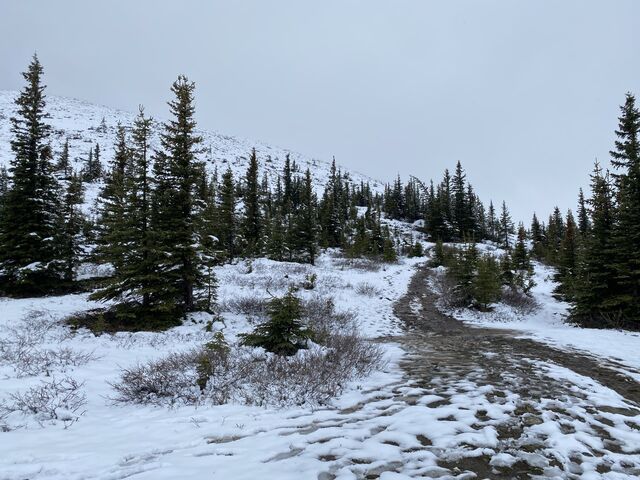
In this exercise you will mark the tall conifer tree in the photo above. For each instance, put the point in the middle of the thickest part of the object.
(29, 226)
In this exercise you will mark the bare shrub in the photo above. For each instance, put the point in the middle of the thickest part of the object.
(320, 314)
(445, 286)
(251, 306)
(258, 282)
(284, 268)
(367, 289)
(52, 400)
(169, 380)
(313, 376)
(519, 301)
(22, 347)
(329, 283)
(249, 376)
(364, 264)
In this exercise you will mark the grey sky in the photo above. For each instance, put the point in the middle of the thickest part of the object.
(524, 93)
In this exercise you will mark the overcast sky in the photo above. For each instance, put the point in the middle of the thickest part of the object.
(524, 93)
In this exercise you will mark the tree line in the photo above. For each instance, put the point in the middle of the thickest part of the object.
(597, 250)
(450, 210)
(163, 222)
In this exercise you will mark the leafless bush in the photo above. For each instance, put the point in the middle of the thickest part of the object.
(519, 301)
(312, 377)
(251, 306)
(169, 380)
(260, 282)
(22, 347)
(365, 264)
(28, 361)
(328, 283)
(52, 400)
(249, 376)
(367, 289)
(282, 269)
(445, 286)
(320, 315)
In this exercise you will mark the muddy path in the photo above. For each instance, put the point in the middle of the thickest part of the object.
(447, 358)
(458, 341)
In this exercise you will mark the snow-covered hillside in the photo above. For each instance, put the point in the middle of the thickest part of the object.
(81, 123)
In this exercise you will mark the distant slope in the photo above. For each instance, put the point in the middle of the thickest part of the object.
(80, 122)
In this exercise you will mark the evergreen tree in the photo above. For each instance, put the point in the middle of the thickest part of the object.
(460, 214)
(486, 282)
(283, 333)
(537, 237)
(305, 222)
(596, 283)
(463, 271)
(141, 270)
(226, 228)
(71, 226)
(555, 234)
(276, 238)
(505, 227)
(92, 171)
(64, 164)
(252, 222)
(446, 204)
(113, 244)
(626, 233)
(492, 223)
(4, 184)
(568, 257)
(520, 255)
(182, 261)
(506, 270)
(29, 227)
(583, 215)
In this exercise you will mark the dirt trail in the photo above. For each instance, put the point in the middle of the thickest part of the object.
(445, 353)
(458, 342)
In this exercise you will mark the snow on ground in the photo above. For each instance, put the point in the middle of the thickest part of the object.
(112, 441)
(81, 123)
(548, 324)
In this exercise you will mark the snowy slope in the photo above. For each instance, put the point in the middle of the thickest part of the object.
(80, 122)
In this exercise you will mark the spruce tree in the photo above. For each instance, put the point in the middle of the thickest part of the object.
(596, 281)
(71, 219)
(460, 214)
(283, 333)
(181, 265)
(92, 171)
(583, 215)
(305, 222)
(537, 237)
(252, 228)
(226, 229)
(568, 257)
(492, 223)
(113, 243)
(29, 227)
(626, 233)
(520, 254)
(486, 282)
(130, 243)
(4, 184)
(64, 164)
(505, 227)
